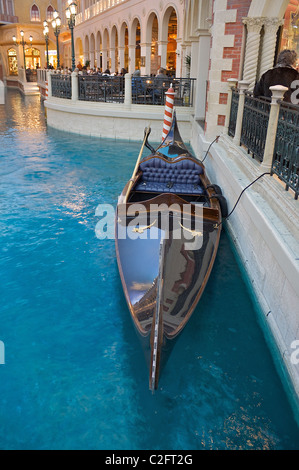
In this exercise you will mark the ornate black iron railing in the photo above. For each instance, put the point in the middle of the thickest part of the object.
(145, 90)
(101, 89)
(151, 90)
(61, 86)
(286, 153)
(255, 124)
(233, 112)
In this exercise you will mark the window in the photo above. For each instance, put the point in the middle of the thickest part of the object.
(50, 11)
(35, 13)
(12, 62)
(10, 7)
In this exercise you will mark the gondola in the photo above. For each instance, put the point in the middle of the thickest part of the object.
(167, 231)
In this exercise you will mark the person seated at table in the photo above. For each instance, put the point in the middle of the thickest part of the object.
(107, 72)
(161, 84)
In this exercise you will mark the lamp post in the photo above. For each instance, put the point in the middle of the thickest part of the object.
(46, 34)
(70, 13)
(23, 43)
(56, 23)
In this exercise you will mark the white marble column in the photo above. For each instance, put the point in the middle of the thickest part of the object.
(271, 26)
(278, 92)
(2, 93)
(132, 58)
(243, 86)
(254, 26)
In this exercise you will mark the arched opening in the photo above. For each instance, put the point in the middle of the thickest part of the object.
(79, 53)
(137, 33)
(12, 62)
(32, 58)
(114, 50)
(289, 34)
(126, 48)
(106, 47)
(171, 43)
(92, 57)
(86, 52)
(154, 29)
(99, 48)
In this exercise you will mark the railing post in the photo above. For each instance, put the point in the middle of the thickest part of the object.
(75, 86)
(49, 79)
(128, 90)
(243, 86)
(2, 93)
(278, 92)
(232, 83)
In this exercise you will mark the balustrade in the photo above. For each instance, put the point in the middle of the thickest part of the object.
(269, 130)
(138, 90)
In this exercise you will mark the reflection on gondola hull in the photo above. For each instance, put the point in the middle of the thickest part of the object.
(166, 244)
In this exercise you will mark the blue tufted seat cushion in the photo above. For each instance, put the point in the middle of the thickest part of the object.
(159, 175)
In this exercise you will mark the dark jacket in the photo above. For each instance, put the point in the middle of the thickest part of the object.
(284, 76)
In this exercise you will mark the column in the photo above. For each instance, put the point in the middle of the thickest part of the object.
(113, 62)
(146, 52)
(75, 86)
(128, 90)
(254, 26)
(232, 83)
(243, 86)
(278, 92)
(162, 52)
(49, 84)
(104, 59)
(271, 26)
(121, 57)
(2, 93)
(132, 55)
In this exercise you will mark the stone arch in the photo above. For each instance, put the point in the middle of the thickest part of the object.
(268, 8)
(151, 37)
(135, 38)
(92, 50)
(165, 22)
(105, 50)
(124, 45)
(167, 46)
(114, 49)
(98, 49)
(264, 19)
(86, 49)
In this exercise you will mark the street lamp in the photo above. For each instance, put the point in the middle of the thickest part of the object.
(46, 34)
(23, 43)
(56, 23)
(70, 13)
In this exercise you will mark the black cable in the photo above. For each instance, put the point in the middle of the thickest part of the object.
(225, 218)
(215, 140)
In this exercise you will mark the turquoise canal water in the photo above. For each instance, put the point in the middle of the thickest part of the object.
(74, 375)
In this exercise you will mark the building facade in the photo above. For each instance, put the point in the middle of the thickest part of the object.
(17, 51)
(210, 40)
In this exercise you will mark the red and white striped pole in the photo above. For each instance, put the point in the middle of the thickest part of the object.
(46, 92)
(168, 111)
